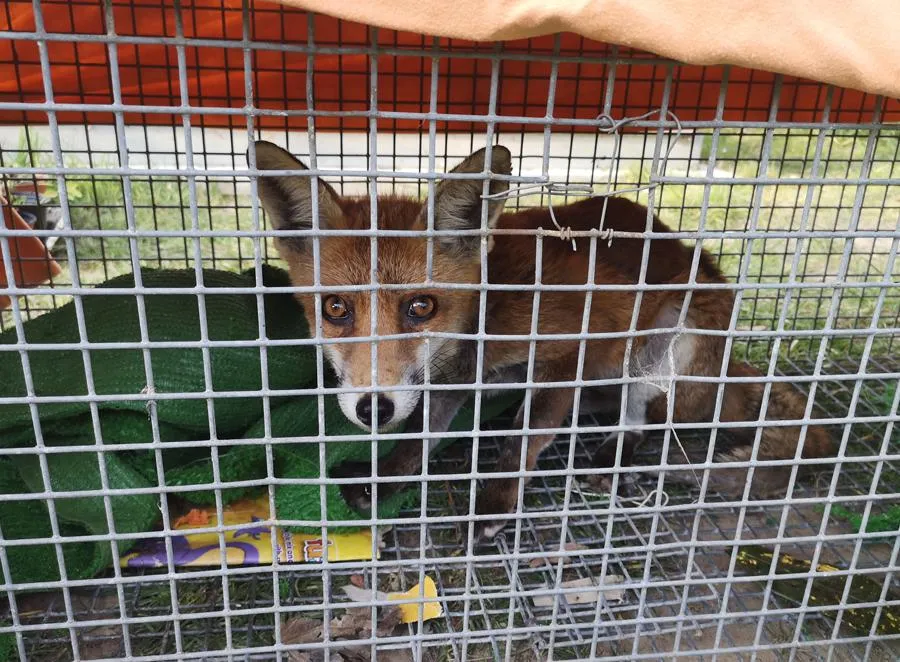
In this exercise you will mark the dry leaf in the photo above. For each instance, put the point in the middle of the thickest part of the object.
(353, 624)
(301, 631)
(388, 622)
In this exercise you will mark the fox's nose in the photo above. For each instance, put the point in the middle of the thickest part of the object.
(385, 409)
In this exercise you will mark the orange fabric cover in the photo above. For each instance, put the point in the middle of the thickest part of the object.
(80, 71)
(850, 44)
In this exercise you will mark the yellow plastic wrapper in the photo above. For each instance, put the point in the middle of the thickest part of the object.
(409, 611)
(409, 603)
(250, 545)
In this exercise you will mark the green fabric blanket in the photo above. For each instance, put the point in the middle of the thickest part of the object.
(121, 372)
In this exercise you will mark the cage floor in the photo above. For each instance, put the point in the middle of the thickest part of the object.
(684, 592)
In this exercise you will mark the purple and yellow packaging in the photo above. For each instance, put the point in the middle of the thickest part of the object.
(250, 545)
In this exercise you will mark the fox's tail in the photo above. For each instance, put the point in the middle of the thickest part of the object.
(742, 401)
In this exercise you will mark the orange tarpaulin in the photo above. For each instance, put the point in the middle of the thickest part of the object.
(31, 264)
(215, 72)
(850, 44)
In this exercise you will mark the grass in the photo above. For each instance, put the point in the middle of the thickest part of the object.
(164, 203)
(781, 208)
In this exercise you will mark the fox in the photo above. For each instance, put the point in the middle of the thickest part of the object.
(668, 345)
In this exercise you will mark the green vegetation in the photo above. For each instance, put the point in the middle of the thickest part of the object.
(164, 204)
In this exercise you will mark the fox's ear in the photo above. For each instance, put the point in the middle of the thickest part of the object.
(458, 202)
(287, 199)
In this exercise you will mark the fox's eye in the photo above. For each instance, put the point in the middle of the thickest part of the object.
(420, 308)
(335, 309)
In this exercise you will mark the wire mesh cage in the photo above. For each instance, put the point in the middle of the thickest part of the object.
(158, 374)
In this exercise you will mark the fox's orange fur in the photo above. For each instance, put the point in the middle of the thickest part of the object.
(512, 260)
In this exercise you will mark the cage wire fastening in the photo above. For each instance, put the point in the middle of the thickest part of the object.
(131, 123)
(609, 126)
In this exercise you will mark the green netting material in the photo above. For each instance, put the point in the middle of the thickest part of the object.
(169, 318)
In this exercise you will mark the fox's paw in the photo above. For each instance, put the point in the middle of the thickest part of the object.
(357, 495)
(498, 497)
(486, 531)
(605, 455)
(626, 486)
(605, 458)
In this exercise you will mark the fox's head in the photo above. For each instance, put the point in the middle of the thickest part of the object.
(400, 312)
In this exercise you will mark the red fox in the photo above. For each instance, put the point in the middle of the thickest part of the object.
(420, 307)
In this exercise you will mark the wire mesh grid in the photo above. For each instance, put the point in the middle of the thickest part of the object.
(134, 118)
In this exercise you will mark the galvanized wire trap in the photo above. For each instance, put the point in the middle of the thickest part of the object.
(122, 149)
